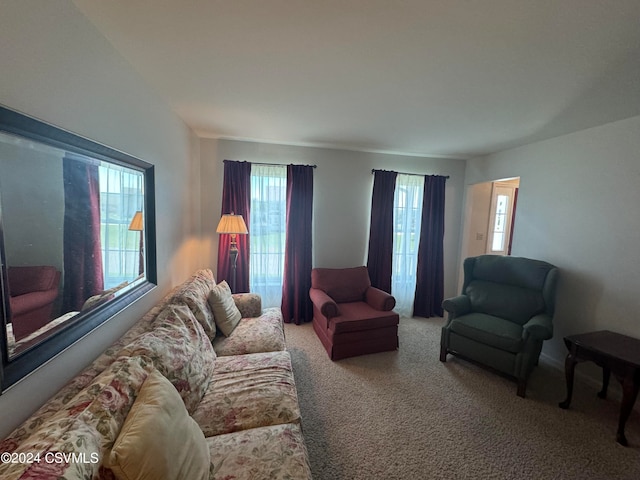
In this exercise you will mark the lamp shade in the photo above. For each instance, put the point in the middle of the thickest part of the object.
(230, 223)
(137, 225)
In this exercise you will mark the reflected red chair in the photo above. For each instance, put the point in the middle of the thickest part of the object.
(32, 295)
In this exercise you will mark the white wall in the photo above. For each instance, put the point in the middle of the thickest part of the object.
(578, 209)
(343, 185)
(57, 67)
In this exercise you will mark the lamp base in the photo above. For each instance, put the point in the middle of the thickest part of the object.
(233, 261)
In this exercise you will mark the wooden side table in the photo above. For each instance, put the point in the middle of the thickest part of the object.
(615, 353)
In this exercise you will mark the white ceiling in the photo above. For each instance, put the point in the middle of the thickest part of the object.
(454, 78)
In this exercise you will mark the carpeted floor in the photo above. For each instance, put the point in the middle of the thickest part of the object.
(406, 415)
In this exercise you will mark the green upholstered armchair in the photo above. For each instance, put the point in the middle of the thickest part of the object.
(503, 315)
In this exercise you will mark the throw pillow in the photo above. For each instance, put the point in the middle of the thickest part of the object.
(225, 313)
(159, 440)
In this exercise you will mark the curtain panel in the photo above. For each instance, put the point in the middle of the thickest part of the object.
(83, 274)
(379, 259)
(430, 275)
(296, 304)
(236, 192)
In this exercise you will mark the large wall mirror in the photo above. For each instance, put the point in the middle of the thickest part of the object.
(77, 239)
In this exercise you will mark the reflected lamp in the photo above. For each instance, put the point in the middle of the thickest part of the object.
(137, 225)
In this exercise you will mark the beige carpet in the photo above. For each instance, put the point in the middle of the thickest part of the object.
(405, 415)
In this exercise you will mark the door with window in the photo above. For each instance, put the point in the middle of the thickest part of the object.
(501, 218)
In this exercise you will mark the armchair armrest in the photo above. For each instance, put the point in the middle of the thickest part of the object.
(249, 304)
(324, 303)
(457, 306)
(379, 299)
(539, 327)
(28, 302)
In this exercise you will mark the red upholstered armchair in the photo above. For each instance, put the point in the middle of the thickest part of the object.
(350, 316)
(32, 294)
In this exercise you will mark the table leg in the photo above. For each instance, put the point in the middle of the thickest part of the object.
(606, 374)
(569, 368)
(629, 394)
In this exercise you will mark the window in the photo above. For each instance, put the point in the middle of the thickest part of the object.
(120, 198)
(502, 201)
(267, 232)
(503, 196)
(407, 216)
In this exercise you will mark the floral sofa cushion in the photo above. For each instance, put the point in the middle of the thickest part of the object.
(264, 333)
(250, 391)
(180, 350)
(194, 293)
(87, 426)
(275, 452)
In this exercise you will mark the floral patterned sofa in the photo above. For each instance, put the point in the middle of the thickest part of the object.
(238, 392)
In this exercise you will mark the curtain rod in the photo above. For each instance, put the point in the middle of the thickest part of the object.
(374, 170)
(272, 164)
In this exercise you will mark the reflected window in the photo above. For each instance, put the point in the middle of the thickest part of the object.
(121, 197)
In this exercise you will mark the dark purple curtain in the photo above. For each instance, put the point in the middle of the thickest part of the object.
(83, 275)
(236, 198)
(296, 304)
(381, 230)
(430, 274)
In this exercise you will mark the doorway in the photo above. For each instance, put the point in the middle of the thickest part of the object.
(489, 216)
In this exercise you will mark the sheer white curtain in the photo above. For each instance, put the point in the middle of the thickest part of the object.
(121, 192)
(267, 232)
(407, 215)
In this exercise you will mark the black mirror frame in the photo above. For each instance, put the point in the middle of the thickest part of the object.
(15, 368)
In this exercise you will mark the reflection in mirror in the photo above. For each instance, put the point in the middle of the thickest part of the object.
(77, 239)
(72, 235)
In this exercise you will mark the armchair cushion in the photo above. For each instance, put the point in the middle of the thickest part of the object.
(358, 316)
(514, 303)
(489, 330)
